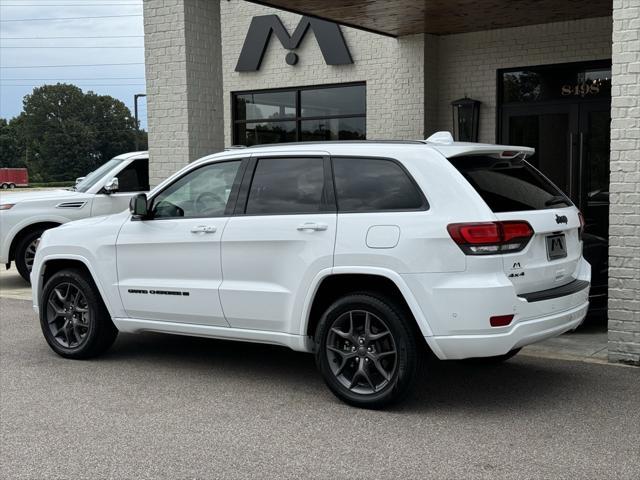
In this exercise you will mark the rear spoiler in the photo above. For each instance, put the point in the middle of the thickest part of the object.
(443, 142)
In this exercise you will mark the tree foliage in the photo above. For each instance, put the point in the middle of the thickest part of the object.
(64, 133)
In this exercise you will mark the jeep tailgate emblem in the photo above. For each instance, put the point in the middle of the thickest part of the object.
(561, 219)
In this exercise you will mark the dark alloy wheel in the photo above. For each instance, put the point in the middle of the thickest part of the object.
(26, 251)
(367, 351)
(74, 320)
(68, 315)
(361, 350)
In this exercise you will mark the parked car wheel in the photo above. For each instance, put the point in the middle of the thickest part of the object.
(4, 186)
(26, 251)
(12, 185)
(366, 351)
(73, 317)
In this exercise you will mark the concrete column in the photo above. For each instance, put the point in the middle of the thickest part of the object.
(624, 216)
(183, 57)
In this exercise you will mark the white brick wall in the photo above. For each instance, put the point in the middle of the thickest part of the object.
(467, 62)
(624, 214)
(392, 68)
(184, 95)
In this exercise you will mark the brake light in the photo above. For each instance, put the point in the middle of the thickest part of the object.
(582, 224)
(488, 238)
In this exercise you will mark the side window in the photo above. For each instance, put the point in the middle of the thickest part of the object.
(371, 184)
(135, 177)
(203, 192)
(287, 185)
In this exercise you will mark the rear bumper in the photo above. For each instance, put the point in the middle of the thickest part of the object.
(521, 334)
(458, 310)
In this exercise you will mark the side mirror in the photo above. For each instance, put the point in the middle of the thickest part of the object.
(111, 186)
(138, 206)
(79, 179)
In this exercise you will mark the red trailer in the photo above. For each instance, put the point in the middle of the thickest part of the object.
(14, 177)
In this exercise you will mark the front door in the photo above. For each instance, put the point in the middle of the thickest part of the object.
(169, 265)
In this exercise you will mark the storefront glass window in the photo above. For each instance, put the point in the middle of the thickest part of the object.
(333, 112)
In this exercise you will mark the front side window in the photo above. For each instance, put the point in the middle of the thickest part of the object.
(373, 185)
(134, 177)
(332, 112)
(203, 192)
(287, 185)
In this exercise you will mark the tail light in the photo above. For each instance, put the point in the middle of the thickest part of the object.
(582, 224)
(488, 238)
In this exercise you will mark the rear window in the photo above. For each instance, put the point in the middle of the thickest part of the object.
(510, 185)
(373, 185)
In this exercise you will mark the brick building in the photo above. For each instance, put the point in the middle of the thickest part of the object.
(561, 77)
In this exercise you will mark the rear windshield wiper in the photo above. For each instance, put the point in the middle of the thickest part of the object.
(556, 199)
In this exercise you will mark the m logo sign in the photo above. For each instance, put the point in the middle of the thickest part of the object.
(328, 34)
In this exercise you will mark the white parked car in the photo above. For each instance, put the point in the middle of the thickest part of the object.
(25, 215)
(365, 253)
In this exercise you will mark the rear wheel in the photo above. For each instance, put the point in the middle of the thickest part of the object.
(12, 185)
(26, 251)
(73, 317)
(367, 351)
(4, 186)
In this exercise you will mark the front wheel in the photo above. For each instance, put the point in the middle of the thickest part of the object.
(73, 317)
(367, 351)
(26, 252)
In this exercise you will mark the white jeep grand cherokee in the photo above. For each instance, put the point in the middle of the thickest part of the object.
(365, 253)
(25, 215)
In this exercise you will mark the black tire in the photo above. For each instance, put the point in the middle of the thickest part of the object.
(93, 329)
(22, 252)
(12, 185)
(4, 186)
(496, 359)
(337, 364)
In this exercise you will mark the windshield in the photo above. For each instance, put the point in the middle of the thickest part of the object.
(94, 177)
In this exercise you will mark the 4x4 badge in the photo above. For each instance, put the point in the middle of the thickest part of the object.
(561, 219)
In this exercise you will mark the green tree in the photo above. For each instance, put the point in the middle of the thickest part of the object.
(63, 133)
(11, 152)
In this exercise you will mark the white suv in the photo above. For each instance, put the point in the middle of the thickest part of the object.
(25, 215)
(365, 253)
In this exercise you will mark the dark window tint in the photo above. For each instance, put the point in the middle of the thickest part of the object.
(366, 184)
(326, 102)
(256, 133)
(287, 185)
(510, 185)
(135, 177)
(333, 129)
(267, 105)
(332, 112)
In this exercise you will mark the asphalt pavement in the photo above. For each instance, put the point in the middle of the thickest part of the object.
(159, 406)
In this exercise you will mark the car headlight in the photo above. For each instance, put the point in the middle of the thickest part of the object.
(6, 206)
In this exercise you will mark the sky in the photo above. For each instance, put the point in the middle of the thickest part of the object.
(104, 32)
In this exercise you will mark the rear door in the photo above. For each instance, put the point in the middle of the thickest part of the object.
(514, 190)
(281, 236)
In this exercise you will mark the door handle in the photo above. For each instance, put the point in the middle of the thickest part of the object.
(318, 227)
(203, 229)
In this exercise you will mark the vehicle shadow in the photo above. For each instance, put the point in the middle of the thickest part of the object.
(465, 387)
